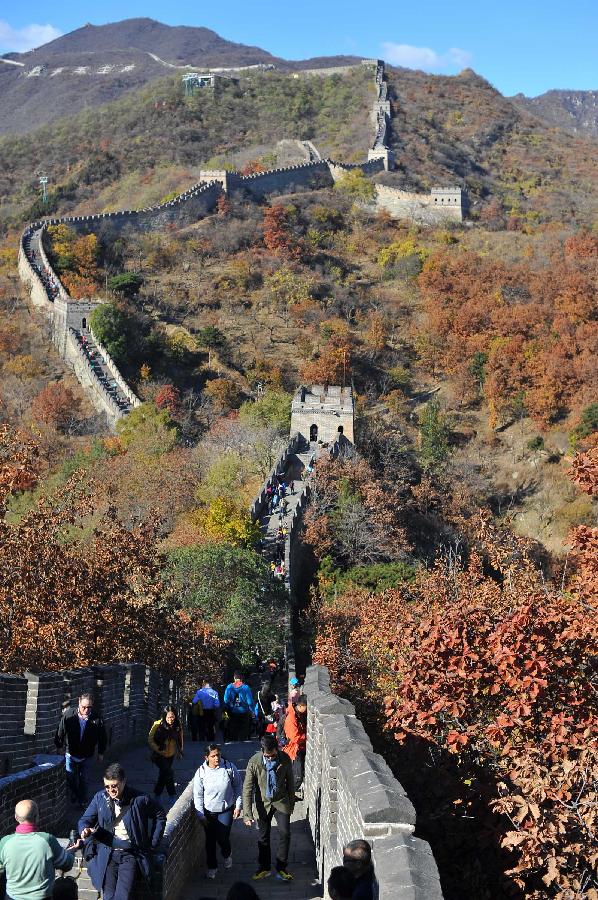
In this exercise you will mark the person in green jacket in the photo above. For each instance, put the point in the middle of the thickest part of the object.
(29, 857)
(270, 785)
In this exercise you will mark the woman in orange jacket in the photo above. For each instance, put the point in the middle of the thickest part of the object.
(295, 730)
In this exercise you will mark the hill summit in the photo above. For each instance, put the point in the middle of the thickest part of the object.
(99, 63)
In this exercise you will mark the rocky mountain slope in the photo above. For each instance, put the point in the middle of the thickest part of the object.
(95, 64)
(575, 111)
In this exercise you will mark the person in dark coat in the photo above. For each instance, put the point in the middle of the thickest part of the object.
(357, 859)
(81, 733)
(122, 828)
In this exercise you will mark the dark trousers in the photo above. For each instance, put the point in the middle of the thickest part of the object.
(120, 876)
(207, 725)
(218, 826)
(264, 823)
(299, 769)
(239, 726)
(165, 774)
(195, 723)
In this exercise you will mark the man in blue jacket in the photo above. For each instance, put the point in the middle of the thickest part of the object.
(238, 703)
(122, 828)
(210, 702)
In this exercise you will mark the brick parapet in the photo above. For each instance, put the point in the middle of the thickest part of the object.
(129, 696)
(351, 793)
(44, 782)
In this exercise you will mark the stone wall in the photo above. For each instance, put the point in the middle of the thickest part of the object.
(129, 696)
(66, 316)
(44, 783)
(328, 407)
(184, 842)
(351, 793)
(422, 208)
(185, 209)
(260, 503)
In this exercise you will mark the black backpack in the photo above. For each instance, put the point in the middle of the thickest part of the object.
(280, 735)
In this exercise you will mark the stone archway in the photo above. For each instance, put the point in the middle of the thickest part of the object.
(313, 432)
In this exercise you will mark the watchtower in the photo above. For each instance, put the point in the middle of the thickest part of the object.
(323, 412)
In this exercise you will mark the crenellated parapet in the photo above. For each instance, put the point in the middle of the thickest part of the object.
(128, 696)
(350, 792)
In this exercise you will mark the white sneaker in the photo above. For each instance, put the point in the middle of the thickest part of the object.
(212, 873)
(228, 862)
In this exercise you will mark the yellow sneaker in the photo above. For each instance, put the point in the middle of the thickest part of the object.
(261, 873)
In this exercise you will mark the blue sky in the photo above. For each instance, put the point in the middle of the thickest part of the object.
(518, 45)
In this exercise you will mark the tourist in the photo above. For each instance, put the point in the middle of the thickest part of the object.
(269, 785)
(122, 828)
(210, 702)
(81, 734)
(166, 741)
(357, 859)
(217, 798)
(295, 732)
(194, 717)
(295, 691)
(340, 884)
(263, 708)
(238, 702)
(29, 857)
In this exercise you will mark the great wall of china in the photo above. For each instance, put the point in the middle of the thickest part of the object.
(69, 318)
(350, 791)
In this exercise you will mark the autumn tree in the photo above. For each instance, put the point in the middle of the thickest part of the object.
(168, 397)
(58, 406)
(224, 393)
(71, 576)
(486, 671)
(278, 235)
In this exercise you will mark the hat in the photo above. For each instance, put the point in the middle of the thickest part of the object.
(294, 681)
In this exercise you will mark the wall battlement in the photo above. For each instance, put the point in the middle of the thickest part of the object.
(127, 695)
(351, 793)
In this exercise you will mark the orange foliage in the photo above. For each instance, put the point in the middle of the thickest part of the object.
(537, 329)
(494, 673)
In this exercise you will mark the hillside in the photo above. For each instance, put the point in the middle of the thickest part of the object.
(445, 130)
(575, 111)
(96, 64)
(155, 140)
(461, 130)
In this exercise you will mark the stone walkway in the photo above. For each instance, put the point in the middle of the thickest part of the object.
(141, 774)
(295, 470)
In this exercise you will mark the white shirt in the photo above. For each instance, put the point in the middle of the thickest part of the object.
(119, 829)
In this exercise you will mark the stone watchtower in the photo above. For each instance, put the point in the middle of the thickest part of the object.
(321, 413)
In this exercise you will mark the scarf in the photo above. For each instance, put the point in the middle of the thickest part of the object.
(26, 828)
(270, 765)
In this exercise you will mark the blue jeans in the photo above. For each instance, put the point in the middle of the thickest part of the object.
(76, 778)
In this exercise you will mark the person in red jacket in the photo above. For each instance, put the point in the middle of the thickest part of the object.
(295, 730)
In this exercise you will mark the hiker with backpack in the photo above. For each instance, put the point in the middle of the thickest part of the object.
(238, 703)
(210, 704)
(195, 717)
(217, 796)
(263, 708)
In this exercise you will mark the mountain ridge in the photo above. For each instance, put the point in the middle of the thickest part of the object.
(96, 64)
